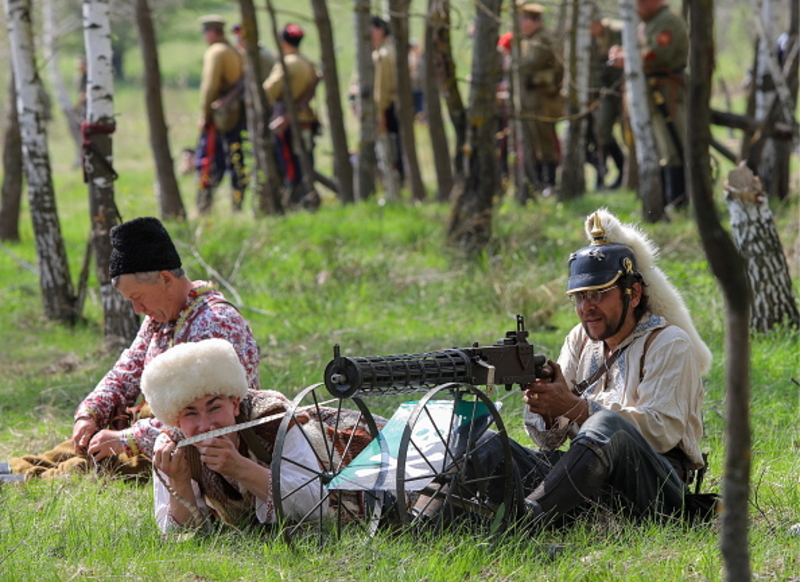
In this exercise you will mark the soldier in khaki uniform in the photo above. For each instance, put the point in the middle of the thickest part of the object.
(665, 51)
(384, 57)
(222, 117)
(605, 88)
(303, 78)
(541, 76)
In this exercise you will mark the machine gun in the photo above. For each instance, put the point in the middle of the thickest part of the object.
(510, 361)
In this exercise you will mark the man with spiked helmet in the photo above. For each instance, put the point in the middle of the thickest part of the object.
(626, 388)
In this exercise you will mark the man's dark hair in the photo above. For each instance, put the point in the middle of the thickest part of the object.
(626, 282)
(378, 22)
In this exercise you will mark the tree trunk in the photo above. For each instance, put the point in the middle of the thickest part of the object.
(54, 279)
(343, 169)
(310, 195)
(367, 161)
(10, 200)
(728, 267)
(433, 105)
(121, 323)
(71, 114)
(641, 124)
(519, 139)
(573, 181)
(405, 101)
(169, 195)
(765, 94)
(757, 240)
(266, 172)
(445, 67)
(471, 219)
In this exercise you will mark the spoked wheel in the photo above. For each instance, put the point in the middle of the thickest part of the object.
(316, 440)
(454, 462)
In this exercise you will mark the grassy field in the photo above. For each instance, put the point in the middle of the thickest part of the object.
(377, 280)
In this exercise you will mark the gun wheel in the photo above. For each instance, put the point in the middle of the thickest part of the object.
(336, 435)
(443, 471)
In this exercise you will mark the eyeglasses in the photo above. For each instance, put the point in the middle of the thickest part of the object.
(593, 297)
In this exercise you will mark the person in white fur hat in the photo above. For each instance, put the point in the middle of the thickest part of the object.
(201, 386)
(626, 390)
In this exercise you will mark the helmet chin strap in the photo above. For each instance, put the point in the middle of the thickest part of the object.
(626, 302)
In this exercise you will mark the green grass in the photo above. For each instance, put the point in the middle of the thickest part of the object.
(376, 280)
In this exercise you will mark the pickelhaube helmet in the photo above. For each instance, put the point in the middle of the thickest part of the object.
(601, 264)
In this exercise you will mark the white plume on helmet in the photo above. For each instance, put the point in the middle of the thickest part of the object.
(664, 299)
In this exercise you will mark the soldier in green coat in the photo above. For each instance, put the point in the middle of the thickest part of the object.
(541, 77)
(606, 90)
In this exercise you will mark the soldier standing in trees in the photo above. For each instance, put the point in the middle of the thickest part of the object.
(541, 76)
(606, 86)
(222, 118)
(303, 79)
(665, 53)
(384, 57)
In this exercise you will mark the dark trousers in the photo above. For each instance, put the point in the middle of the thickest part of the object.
(608, 462)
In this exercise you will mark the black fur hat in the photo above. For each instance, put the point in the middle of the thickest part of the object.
(141, 245)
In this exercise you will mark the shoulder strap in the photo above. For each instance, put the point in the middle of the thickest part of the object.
(647, 343)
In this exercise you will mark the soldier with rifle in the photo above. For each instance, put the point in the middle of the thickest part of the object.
(665, 54)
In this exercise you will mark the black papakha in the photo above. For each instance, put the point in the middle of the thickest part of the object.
(141, 245)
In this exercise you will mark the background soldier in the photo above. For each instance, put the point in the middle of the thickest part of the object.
(384, 57)
(665, 52)
(606, 87)
(222, 117)
(303, 79)
(541, 76)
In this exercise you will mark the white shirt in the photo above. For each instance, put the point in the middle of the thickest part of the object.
(665, 406)
(293, 477)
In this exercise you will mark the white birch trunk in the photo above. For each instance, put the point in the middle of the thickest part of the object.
(120, 320)
(54, 278)
(637, 99)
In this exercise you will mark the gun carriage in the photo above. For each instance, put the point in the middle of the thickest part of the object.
(418, 461)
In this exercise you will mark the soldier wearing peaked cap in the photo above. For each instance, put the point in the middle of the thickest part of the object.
(222, 118)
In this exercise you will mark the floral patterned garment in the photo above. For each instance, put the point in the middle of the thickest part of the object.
(207, 314)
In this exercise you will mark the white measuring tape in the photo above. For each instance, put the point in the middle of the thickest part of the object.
(228, 429)
(237, 427)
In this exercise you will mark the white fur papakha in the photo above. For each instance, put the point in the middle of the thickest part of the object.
(192, 370)
(665, 299)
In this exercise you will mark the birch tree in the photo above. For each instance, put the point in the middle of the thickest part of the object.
(121, 323)
(12, 171)
(757, 240)
(365, 174)
(649, 178)
(470, 225)
(54, 278)
(573, 183)
(343, 169)
(169, 195)
(729, 269)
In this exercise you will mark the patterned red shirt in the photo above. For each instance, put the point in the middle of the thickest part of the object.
(206, 315)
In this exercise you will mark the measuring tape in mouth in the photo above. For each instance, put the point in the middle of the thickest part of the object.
(236, 427)
(228, 429)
